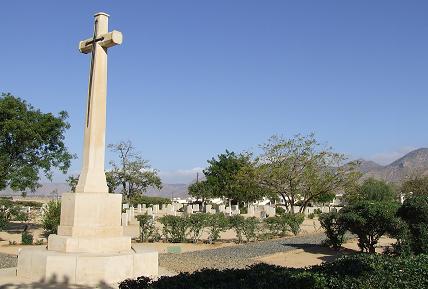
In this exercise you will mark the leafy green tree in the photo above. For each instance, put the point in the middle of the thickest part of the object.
(131, 173)
(72, 182)
(334, 228)
(372, 190)
(417, 185)
(302, 171)
(232, 176)
(369, 221)
(30, 142)
(414, 212)
(200, 190)
(51, 217)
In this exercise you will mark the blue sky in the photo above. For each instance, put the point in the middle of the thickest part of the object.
(193, 78)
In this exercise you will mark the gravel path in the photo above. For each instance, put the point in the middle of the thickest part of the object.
(235, 256)
(8, 261)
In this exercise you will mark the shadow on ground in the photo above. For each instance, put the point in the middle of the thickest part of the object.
(54, 283)
(329, 253)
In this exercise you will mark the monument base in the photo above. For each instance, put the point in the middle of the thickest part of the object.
(41, 265)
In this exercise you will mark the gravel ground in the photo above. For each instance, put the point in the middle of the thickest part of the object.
(8, 261)
(235, 256)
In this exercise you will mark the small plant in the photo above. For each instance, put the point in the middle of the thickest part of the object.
(39, 242)
(174, 228)
(250, 228)
(148, 228)
(217, 223)
(317, 212)
(335, 229)
(294, 221)
(196, 224)
(51, 218)
(237, 223)
(280, 211)
(12, 243)
(27, 238)
(311, 216)
(277, 226)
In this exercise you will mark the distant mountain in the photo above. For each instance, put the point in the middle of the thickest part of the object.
(413, 163)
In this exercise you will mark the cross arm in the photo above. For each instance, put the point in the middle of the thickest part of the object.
(106, 40)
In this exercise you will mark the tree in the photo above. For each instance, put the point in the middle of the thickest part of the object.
(372, 190)
(72, 182)
(301, 170)
(132, 173)
(417, 185)
(231, 176)
(30, 142)
(414, 212)
(200, 190)
(369, 221)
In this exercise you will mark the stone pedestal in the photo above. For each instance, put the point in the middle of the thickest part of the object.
(90, 246)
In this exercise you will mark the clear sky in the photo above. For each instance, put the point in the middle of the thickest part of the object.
(193, 78)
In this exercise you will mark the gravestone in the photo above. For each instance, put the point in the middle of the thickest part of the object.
(90, 247)
(208, 209)
(139, 209)
(221, 208)
(155, 209)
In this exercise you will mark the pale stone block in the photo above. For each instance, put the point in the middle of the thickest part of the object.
(139, 209)
(189, 210)
(222, 208)
(84, 214)
(124, 219)
(89, 245)
(195, 207)
(208, 209)
(35, 264)
(155, 209)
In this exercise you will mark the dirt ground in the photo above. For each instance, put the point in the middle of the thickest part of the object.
(315, 255)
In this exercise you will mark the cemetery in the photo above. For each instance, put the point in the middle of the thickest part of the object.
(292, 213)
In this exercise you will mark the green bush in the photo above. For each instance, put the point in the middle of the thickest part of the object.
(414, 212)
(250, 228)
(369, 221)
(277, 226)
(294, 221)
(237, 224)
(174, 228)
(196, 225)
(311, 216)
(149, 232)
(51, 217)
(334, 228)
(280, 211)
(359, 271)
(26, 238)
(217, 223)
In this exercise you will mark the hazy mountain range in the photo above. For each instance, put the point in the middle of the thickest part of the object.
(415, 162)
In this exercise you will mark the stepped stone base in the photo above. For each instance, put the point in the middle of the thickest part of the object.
(39, 264)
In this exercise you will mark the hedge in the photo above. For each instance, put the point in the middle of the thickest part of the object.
(353, 271)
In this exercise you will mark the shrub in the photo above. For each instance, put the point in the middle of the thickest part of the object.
(294, 221)
(217, 223)
(277, 226)
(317, 211)
(196, 225)
(250, 228)
(355, 271)
(237, 224)
(414, 212)
(311, 216)
(174, 228)
(334, 228)
(369, 221)
(280, 211)
(51, 218)
(26, 238)
(148, 229)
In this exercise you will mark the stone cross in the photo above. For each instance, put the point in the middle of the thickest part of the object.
(92, 177)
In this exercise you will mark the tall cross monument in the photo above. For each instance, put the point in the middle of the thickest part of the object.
(90, 245)
(92, 177)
